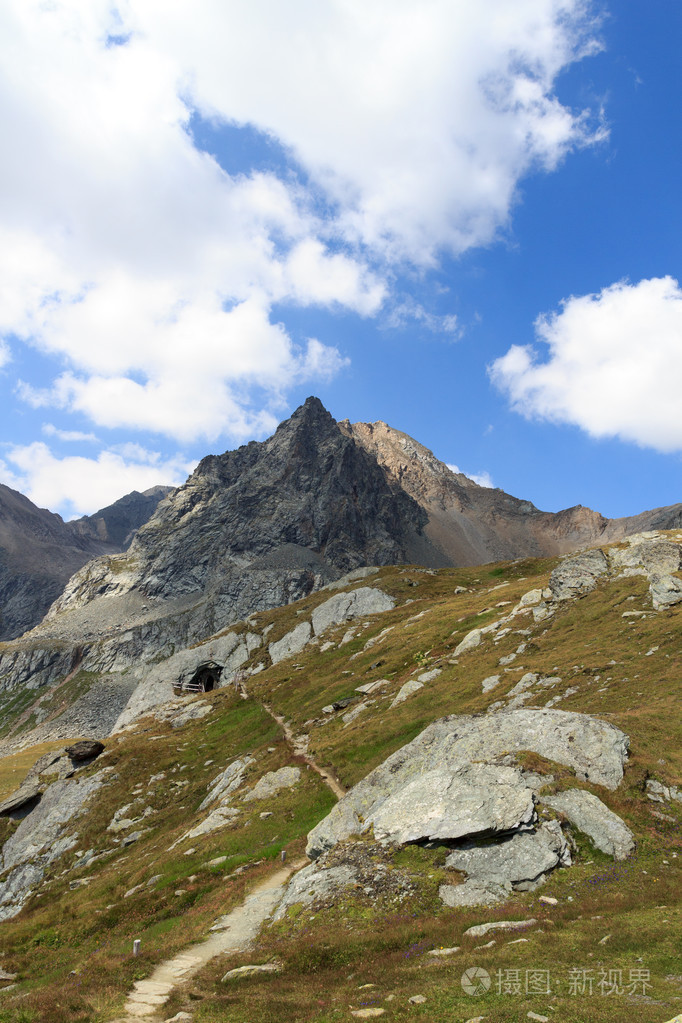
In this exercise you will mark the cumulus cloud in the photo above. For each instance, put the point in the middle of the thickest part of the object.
(417, 120)
(79, 485)
(612, 365)
(150, 275)
(484, 479)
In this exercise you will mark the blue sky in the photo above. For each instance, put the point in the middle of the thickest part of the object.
(461, 219)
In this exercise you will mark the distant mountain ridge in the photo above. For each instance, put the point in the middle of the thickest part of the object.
(471, 524)
(39, 552)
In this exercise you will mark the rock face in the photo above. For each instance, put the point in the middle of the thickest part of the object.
(520, 860)
(595, 749)
(41, 838)
(266, 525)
(39, 551)
(475, 799)
(308, 500)
(605, 828)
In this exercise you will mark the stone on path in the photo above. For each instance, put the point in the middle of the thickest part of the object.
(417, 999)
(367, 1013)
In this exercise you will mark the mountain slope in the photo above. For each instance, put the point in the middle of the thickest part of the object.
(192, 805)
(39, 552)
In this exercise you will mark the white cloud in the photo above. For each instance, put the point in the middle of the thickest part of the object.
(613, 365)
(70, 436)
(410, 311)
(76, 485)
(418, 119)
(150, 275)
(484, 479)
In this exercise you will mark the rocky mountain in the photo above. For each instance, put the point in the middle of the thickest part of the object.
(39, 552)
(471, 525)
(258, 528)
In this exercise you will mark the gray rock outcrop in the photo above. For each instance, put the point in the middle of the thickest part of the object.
(604, 828)
(474, 799)
(577, 575)
(311, 884)
(229, 651)
(290, 644)
(272, 782)
(42, 837)
(344, 607)
(595, 749)
(666, 591)
(227, 782)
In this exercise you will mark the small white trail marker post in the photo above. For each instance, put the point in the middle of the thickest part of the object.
(136, 947)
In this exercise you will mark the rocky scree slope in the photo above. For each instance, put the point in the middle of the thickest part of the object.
(469, 799)
(39, 552)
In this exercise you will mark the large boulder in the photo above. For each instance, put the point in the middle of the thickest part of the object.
(342, 607)
(576, 576)
(476, 799)
(85, 750)
(666, 590)
(643, 555)
(595, 749)
(589, 815)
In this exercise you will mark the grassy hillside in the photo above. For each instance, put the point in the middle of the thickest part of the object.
(616, 658)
